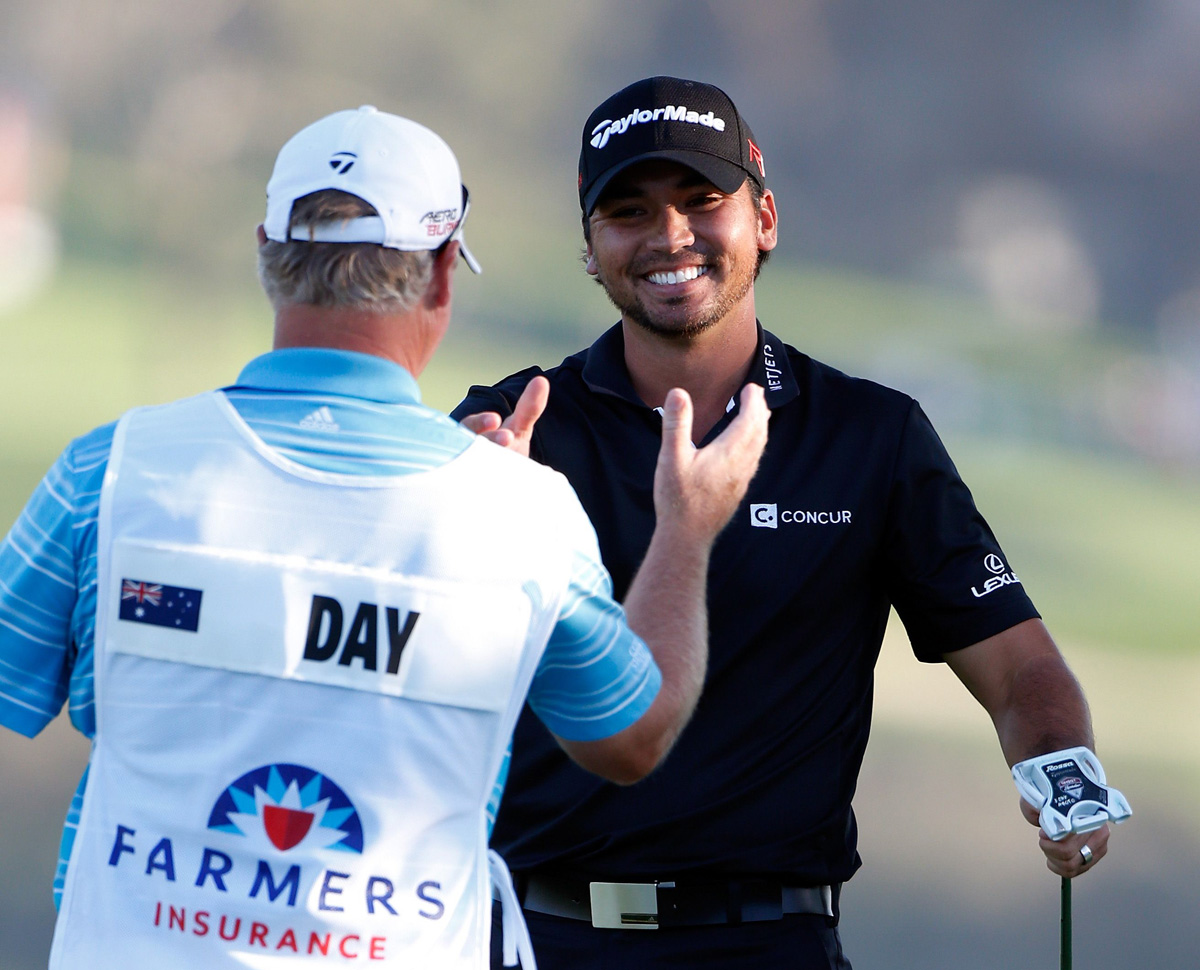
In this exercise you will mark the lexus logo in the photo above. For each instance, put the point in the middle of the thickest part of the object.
(994, 563)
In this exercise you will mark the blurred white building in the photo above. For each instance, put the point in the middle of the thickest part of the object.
(28, 239)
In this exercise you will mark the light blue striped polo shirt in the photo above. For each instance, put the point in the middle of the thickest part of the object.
(332, 410)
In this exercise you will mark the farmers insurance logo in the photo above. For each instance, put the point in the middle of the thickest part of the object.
(1001, 576)
(287, 807)
(642, 116)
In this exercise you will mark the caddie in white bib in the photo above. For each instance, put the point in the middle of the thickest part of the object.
(305, 685)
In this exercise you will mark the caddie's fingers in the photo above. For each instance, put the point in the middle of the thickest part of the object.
(529, 406)
(746, 436)
(676, 426)
(1032, 815)
(753, 392)
(757, 414)
(482, 422)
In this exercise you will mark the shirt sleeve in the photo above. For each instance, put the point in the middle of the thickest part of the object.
(948, 578)
(37, 598)
(596, 677)
(481, 397)
(47, 593)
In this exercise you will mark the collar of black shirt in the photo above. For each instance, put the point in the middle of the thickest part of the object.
(604, 370)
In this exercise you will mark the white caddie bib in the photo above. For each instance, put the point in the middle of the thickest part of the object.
(305, 685)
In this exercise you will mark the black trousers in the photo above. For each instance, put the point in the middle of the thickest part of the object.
(795, 942)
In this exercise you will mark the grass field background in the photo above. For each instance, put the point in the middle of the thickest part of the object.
(1108, 545)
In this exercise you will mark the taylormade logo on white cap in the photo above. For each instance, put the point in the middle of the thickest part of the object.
(607, 128)
(401, 168)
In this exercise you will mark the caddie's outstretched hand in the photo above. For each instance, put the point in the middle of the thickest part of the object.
(699, 489)
(515, 431)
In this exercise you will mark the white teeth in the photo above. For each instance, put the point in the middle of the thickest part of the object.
(682, 276)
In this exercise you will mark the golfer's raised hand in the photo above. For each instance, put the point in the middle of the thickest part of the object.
(515, 431)
(699, 489)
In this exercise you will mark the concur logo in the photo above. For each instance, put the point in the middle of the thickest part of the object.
(288, 806)
(765, 516)
(768, 516)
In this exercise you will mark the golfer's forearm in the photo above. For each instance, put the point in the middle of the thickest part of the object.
(1045, 711)
(1022, 681)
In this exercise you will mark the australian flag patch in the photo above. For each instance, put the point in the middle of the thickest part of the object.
(171, 606)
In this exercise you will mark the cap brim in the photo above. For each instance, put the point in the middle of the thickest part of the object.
(723, 174)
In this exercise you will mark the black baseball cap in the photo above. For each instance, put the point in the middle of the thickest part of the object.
(689, 122)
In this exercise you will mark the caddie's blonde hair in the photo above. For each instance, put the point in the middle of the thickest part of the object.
(362, 276)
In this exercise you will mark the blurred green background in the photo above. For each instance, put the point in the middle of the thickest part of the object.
(994, 208)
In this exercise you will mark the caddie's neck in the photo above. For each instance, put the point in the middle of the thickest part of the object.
(711, 366)
(408, 339)
(340, 328)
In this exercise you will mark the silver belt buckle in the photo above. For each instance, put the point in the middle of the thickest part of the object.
(624, 905)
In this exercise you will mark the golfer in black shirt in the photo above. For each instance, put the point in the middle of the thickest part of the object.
(733, 852)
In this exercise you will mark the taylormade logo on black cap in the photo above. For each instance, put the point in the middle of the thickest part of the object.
(672, 119)
(607, 128)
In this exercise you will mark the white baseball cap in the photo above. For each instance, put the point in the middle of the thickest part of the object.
(407, 172)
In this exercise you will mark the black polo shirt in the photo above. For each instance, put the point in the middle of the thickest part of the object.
(856, 507)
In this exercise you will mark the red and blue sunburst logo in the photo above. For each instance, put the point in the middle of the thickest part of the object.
(287, 807)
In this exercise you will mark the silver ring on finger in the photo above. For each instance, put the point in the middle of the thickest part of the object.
(1087, 854)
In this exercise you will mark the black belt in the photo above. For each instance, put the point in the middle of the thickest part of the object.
(684, 901)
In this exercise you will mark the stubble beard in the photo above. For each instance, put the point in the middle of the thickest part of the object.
(633, 309)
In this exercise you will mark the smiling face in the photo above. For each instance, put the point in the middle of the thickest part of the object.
(674, 253)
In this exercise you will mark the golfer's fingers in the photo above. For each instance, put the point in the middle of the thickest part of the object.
(482, 422)
(1032, 815)
(501, 436)
(529, 407)
(1065, 858)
